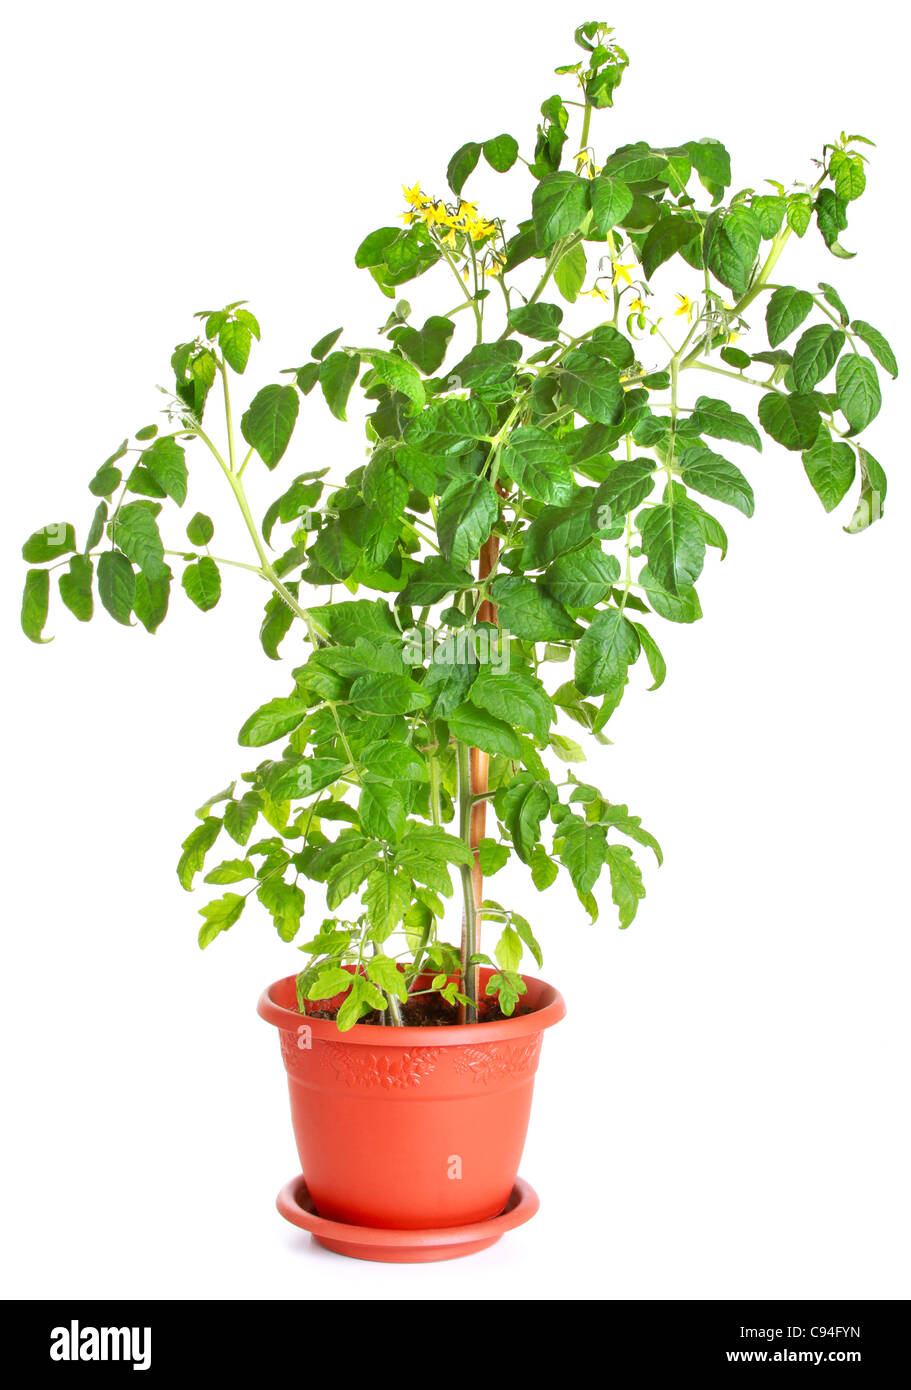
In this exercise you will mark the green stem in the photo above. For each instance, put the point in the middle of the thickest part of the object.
(470, 931)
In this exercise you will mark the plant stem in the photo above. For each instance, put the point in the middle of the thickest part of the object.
(468, 1013)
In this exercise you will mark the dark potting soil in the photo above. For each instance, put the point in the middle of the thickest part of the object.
(431, 1011)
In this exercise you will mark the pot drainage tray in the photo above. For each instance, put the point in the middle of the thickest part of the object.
(398, 1246)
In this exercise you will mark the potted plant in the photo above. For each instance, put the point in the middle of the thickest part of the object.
(534, 503)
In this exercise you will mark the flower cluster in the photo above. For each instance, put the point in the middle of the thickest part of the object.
(446, 221)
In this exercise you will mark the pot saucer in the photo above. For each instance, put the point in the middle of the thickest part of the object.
(401, 1247)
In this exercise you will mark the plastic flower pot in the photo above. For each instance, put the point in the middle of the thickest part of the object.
(410, 1129)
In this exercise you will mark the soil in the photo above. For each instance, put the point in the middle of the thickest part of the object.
(429, 1011)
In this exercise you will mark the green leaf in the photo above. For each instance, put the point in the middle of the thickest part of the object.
(96, 529)
(559, 529)
(559, 205)
(516, 697)
(717, 419)
(388, 694)
(362, 998)
(538, 462)
(136, 533)
(785, 311)
(815, 355)
(791, 420)
(372, 249)
(202, 583)
(328, 340)
(712, 163)
(584, 852)
(635, 164)
(241, 816)
(857, 386)
(569, 273)
(219, 915)
(382, 811)
(584, 577)
(611, 200)
(626, 486)
(385, 974)
(543, 869)
(234, 339)
(847, 172)
(116, 585)
(672, 540)
(656, 663)
(731, 243)
(467, 515)
(35, 598)
(877, 345)
(626, 882)
(674, 608)
(285, 901)
(489, 367)
(387, 898)
(392, 762)
(713, 476)
(272, 721)
(501, 152)
(195, 847)
(231, 871)
(400, 376)
(462, 164)
(666, 238)
(592, 387)
(830, 468)
(871, 503)
(508, 950)
(269, 422)
(166, 462)
(522, 807)
(434, 580)
(540, 321)
(384, 489)
(337, 375)
(450, 427)
(276, 623)
(200, 529)
(529, 612)
(108, 478)
(831, 296)
(50, 543)
(482, 730)
(426, 347)
(605, 653)
(76, 587)
(492, 856)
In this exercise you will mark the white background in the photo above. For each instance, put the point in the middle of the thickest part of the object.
(724, 1111)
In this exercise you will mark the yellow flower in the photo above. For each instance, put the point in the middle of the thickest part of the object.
(637, 306)
(685, 306)
(596, 292)
(496, 268)
(413, 196)
(408, 218)
(622, 273)
(732, 337)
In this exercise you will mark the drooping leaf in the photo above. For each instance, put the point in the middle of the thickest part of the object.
(609, 646)
(35, 598)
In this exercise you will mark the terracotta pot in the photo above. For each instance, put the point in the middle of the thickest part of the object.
(410, 1128)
